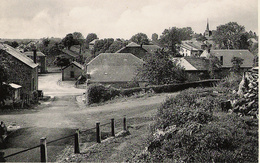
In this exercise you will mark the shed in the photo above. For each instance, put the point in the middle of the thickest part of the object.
(72, 71)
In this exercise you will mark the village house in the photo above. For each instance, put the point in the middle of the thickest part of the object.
(23, 72)
(72, 72)
(192, 48)
(41, 60)
(196, 68)
(225, 57)
(69, 54)
(91, 44)
(139, 50)
(116, 69)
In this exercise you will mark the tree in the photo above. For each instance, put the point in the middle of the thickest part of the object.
(236, 63)
(68, 41)
(46, 42)
(201, 38)
(140, 38)
(62, 61)
(115, 46)
(228, 36)
(173, 36)
(3, 78)
(90, 37)
(101, 46)
(158, 69)
(79, 39)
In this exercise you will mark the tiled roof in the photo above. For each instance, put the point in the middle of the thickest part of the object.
(133, 44)
(229, 54)
(76, 64)
(70, 53)
(30, 53)
(151, 48)
(93, 42)
(201, 64)
(185, 64)
(20, 56)
(113, 67)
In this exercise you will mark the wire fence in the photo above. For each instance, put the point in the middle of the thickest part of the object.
(43, 144)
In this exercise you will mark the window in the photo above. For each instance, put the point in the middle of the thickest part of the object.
(221, 60)
(72, 74)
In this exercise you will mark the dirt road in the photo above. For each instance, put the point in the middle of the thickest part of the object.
(63, 114)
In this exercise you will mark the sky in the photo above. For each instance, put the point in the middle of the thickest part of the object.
(20, 19)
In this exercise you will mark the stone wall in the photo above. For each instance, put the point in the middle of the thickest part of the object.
(246, 102)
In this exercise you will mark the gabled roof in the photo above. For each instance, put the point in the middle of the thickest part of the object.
(201, 64)
(133, 44)
(151, 48)
(20, 56)
(185, 64)
(93, 42)
(76, 64)
(229, 54)
(30, 53)
(70, 53)
(193, 63)
(113, 67)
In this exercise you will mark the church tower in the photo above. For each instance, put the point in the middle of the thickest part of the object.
(207, 32)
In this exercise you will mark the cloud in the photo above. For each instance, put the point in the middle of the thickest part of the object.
(119, 18)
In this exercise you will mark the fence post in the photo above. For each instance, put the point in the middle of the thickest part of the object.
(76, 142)
(124, 123)
(2, 159)
(98, 132)
(112, 127)
(43, 149)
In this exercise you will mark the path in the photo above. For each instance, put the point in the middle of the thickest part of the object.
(63, 115)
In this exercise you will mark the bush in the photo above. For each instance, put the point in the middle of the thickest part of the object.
(98, 93)
(200, 136)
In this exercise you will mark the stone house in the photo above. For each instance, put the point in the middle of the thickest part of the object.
(116, 69)
(196, 68)
(41, 60)
(225, 56)
(23, 71)
(139, 50)
(192, 48)
(72, 71)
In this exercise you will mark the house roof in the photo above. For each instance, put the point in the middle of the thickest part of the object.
(185, 64)
(193, 63)
(113, 67)
(93, 42)
(70, 53)
(20, 56)
(192, 45)
(201, 64)
(15, 86)
(133, 44)
(229, 54)
(151, 48)
(30, 53)
(76, 64)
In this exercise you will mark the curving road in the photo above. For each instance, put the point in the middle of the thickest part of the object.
(64, 113)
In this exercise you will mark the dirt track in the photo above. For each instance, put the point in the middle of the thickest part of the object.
(65, 113)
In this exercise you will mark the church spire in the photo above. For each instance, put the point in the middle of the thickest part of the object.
(207, 25)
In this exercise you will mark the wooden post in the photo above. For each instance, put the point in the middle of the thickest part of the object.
(124, 124)
(98, 132)
(2, 157)
(43, 149)
(112, 127)
(76, 142)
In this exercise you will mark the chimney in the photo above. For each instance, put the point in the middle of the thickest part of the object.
(34, 56)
